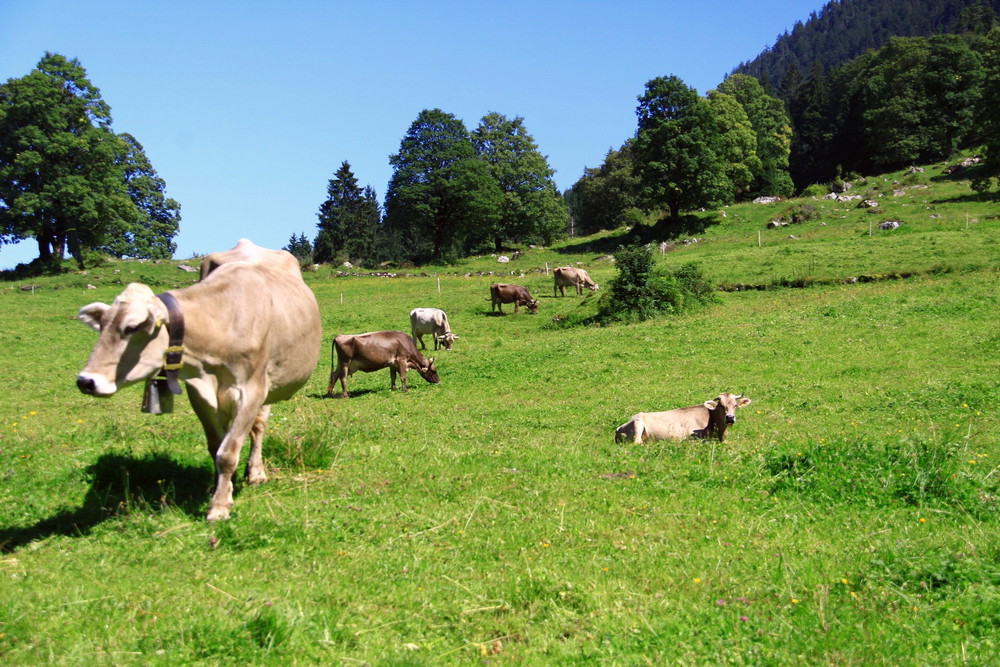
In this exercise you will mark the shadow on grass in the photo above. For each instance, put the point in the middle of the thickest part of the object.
(664, 230)
(121, 484)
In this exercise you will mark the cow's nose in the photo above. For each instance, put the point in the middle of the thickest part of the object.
(730, 418)
(85, 384)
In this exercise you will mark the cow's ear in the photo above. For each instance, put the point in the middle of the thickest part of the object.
(711, 405)
(430, 364)
(743, 402)
(92, 313)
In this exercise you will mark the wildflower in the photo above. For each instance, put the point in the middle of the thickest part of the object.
(697, 580)
(720, 602)
(32, 413)
(843, 581)
(794, 601)
(923, 520)
(853, 594)
(744, 619)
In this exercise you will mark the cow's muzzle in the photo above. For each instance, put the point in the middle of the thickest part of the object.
(94, 385)
(730, 418)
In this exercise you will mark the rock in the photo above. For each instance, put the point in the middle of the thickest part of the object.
(503, 259)
(889, 224)
(767, 200)
(185, 267)
(776, 223)
(348, 265)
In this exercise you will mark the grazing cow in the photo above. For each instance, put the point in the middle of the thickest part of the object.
(245, 336)
(569, 276)
(431, 321)
(702, 421)
(374, 351)
(502, 293)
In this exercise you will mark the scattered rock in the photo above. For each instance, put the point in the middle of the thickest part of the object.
(348, 265)
(503, 259)
(89, 286)
(915, 170)
(767, 200)
(776, 223)
(185, 267)
(889, 224)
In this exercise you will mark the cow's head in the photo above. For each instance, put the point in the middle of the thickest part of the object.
(132, 341)
(725, 404)
(593, 286)
(428, 372)
(532, 306)
(447, 339)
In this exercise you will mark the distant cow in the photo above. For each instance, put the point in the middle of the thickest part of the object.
(502, 293)
(245, 336)
(569, 276)
(431, 321)
(702, 421)
(374, 351)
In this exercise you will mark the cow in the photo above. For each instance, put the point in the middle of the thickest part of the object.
(374, 351)
(702, 421)
(243, 337)
(501, 293)
(431, 321)
(569, 276)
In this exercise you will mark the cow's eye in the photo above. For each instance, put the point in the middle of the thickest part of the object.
(128, 331)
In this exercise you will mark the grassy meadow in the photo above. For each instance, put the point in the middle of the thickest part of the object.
(849, 518)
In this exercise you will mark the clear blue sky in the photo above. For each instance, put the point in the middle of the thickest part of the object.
(246, 109)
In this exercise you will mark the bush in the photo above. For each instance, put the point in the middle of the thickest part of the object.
(815, 190)
(639, 292)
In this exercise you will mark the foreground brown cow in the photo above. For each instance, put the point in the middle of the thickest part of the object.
(702, 421)
(245, 336)
(431, 321)
(569, 276)
(374, 351)
(502, 293)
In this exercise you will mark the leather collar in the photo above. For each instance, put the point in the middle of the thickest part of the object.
(173, 357)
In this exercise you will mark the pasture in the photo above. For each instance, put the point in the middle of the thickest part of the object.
(850, 517)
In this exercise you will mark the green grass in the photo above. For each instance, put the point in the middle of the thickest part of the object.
(849, 518)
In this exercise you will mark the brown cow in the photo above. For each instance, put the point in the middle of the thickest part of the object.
(245, 336)
(570, 276)
(374, 351)
(702, 421)
(501, 293)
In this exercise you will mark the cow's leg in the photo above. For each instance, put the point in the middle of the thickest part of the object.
(246, 406)
(402, 377)
(338, 372)
(202, 395)
(255, 472)
(639, 430)
(392, 377)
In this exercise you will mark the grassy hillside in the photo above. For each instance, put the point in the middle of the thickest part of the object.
(850, 517)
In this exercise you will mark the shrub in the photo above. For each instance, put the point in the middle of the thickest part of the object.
(640, 292)
(815, 190)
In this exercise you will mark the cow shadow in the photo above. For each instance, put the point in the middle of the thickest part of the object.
(121, 484)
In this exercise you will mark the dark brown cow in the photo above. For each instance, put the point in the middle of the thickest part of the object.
(374, 351)
(501, 293)
(711, 418)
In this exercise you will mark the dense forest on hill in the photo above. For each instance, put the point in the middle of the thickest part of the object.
(844, 29)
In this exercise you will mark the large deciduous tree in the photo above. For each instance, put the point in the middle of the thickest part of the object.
(441, 193)
(987, 116)
(737, 141)
(677, 149)
(532, 209)
(151, 236)
(773, 132)
(61, 179)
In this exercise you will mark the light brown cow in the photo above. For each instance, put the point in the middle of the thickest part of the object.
(501, 293)
(374, 351)
(702, 421)
(251, 337)
(431, 321)
(570, 276)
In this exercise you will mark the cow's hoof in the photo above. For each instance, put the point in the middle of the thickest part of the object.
(256, 477)
(217, 514)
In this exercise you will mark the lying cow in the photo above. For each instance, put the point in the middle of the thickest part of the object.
(374, 351)
(431, 321)
(569, 276)
(711, 418)
(245, 336)
(502, 293)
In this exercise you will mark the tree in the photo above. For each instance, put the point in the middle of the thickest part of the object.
(603, 195)
(677, 149)
(343, 203)
(812, 158)
(532, 209)
(441, 194)
(987, 118)
(737, 141)
(61, 179)
(772, 129)
(151, 236)
(300, 247)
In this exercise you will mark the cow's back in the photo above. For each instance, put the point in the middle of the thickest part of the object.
(258, 319)
(673, 424)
